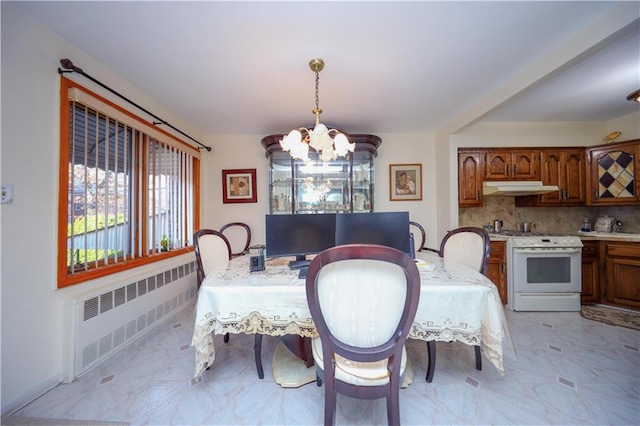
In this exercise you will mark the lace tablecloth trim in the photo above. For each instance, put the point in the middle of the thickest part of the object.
(252, 323)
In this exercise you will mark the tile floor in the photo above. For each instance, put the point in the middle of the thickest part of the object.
(568, 370)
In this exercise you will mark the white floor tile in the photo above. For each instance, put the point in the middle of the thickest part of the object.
(568, 370)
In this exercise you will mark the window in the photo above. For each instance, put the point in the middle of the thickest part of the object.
(128, 190)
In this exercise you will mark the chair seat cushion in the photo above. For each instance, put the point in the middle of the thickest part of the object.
(358, 373)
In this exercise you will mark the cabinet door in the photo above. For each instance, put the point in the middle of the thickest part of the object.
(566, 169)
(511, 165)
(590, 272)
(524, 165)
(574, 179)
(551, 173)
(613, 174)
(497, 271)
(623, 273)
(470, 179)
(497, 165)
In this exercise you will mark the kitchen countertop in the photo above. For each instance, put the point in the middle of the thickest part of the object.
(587, 236)
(608, 236)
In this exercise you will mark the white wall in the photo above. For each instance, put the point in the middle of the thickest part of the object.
(629, 126)
(246, 152)
(531, 134)
(32, 332)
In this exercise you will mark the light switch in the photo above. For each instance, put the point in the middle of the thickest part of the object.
(7, 194)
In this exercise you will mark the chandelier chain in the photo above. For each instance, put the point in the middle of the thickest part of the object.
(317, 90)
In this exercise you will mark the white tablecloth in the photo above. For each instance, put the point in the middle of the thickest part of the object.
(456, 304)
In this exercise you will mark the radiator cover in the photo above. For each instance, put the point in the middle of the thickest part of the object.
(102, 324)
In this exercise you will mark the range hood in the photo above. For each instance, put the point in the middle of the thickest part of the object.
(516, 188)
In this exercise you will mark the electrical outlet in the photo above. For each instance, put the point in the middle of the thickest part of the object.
(7, 194)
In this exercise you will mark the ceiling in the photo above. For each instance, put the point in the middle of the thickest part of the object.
(240, 67)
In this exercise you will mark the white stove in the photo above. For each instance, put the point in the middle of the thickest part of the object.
(544, 273)
(546, 242)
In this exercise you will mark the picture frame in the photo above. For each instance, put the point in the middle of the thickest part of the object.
(405, 182)
(239, 186)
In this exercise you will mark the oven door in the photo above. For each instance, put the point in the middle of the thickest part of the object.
(556, 270)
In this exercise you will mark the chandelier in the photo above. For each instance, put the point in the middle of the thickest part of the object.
(330, 143)
(635, 96)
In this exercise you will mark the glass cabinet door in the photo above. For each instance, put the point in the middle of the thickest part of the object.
(343, 185)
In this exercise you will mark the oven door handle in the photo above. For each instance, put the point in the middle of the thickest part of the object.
(544, 251)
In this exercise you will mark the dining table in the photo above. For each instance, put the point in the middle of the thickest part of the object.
(456, 303)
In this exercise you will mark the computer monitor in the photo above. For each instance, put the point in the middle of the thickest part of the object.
(299, 235)
(383, 228)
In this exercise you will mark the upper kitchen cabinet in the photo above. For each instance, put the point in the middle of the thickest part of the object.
(512, 164)
(341, 185)
(564, 168)
(612, 174)
(470, 170)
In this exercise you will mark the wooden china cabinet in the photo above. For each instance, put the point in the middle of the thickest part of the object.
(343, 185)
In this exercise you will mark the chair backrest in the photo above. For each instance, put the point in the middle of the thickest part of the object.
(420, 236)
(468, 245)
(363, 300)
(239, 236)
(212, 252)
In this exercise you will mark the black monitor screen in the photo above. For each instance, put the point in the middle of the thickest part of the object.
(299, 234)
(383, 228)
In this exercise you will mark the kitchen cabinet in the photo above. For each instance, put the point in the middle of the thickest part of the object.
(497, 270)
(511, 164)
(566, 169)
(613, 174)
(590, 272)
(342, 185)
(623, 273)
(470, 168)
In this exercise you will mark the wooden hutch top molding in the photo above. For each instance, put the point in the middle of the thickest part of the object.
(363, 142)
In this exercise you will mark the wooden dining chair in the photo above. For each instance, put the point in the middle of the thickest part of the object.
(213, 252)
(363, 299)
(239, 236)
(415, 226)
(469, 246)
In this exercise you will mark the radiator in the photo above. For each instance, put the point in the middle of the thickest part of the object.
(102, 324)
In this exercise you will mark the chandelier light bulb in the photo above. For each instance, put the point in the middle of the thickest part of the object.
(329, 147)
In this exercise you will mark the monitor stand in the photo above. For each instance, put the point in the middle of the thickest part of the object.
(300, 262)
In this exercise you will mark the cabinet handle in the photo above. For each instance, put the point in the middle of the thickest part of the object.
(595, 194)
(515, 170)
(508, 170)
(502, 267)
(479, 195)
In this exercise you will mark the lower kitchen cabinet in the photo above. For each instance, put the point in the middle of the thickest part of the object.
(623, 273)
(497, 271)
(590, 272)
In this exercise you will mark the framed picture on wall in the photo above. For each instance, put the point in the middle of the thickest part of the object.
(405, 182)
(239, 186)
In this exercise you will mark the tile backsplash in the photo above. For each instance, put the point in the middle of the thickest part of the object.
(545, 219)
